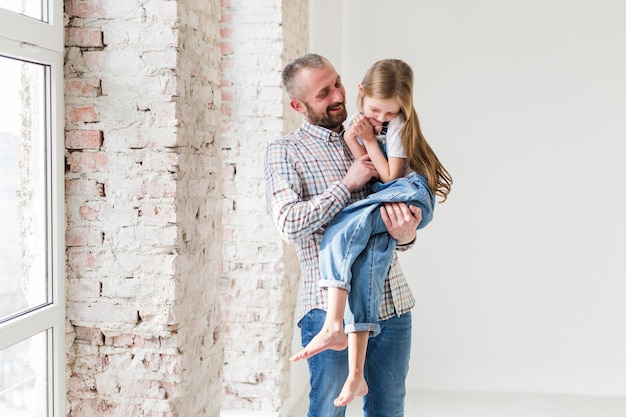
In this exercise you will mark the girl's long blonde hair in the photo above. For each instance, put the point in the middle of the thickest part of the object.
(393, 78)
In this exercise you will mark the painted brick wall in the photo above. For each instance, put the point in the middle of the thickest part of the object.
(170, 105)
(260, 274)
(144, 237)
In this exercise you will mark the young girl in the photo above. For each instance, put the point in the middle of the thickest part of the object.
(356, 250)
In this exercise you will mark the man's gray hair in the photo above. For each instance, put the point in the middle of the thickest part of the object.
(290, 79)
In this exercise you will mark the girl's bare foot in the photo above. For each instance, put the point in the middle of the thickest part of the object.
(325, 339)
(354, 387)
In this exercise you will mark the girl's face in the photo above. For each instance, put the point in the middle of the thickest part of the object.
(379, 111)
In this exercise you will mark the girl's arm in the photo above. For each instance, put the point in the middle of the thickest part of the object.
(387, 169)
(356, 148)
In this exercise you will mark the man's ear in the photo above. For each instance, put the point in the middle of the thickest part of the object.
(297, 105)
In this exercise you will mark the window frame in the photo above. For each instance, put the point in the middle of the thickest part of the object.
(40, 42)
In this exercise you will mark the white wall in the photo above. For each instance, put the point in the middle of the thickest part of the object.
(521, 278)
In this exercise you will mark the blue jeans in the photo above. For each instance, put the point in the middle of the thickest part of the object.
(386, 369)
(356, 250)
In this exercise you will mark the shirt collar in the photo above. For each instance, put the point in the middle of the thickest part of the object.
(319, 132)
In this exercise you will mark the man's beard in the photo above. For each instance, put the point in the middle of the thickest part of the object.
(325, 119)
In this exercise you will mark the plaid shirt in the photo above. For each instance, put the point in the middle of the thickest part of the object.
(303, 187)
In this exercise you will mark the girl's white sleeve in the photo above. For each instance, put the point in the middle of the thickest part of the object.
(394, 141)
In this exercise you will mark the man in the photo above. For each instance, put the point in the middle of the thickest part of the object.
(311, 176)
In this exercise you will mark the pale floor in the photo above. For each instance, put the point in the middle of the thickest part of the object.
(465, 404)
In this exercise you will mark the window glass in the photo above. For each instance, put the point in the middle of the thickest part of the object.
(23, 210)
(37, 9)
(23, 376)
(32, 221)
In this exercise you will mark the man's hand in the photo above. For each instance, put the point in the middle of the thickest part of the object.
(401, 221)
(359, 173)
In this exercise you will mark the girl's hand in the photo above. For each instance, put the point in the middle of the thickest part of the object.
(363, 127)
(350, 133)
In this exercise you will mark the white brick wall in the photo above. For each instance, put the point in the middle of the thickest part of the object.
(169, 107)
(144, 211)
(259, 274)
